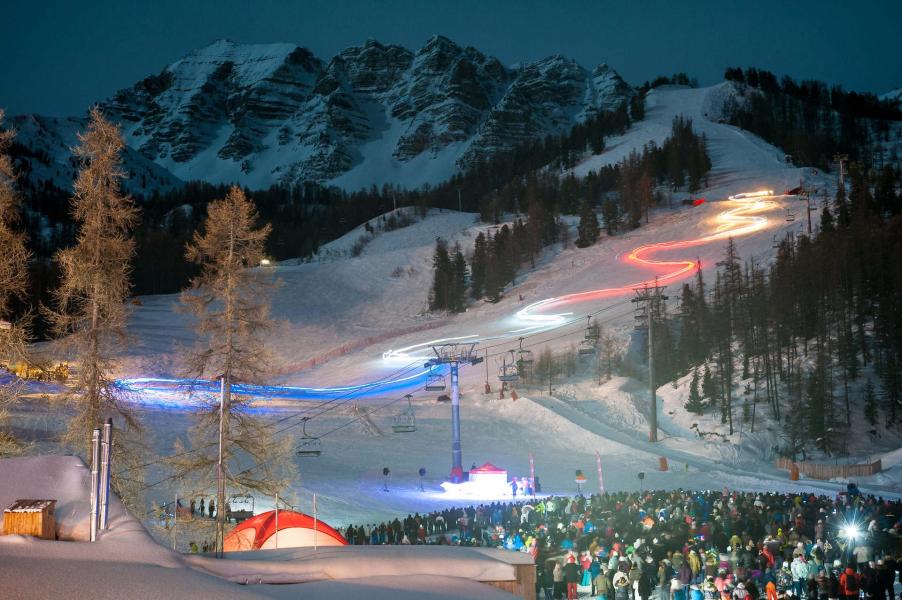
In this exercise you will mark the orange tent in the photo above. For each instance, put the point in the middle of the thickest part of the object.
(295, 530)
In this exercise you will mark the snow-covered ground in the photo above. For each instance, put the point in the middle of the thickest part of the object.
(338, 314)
(126, 563)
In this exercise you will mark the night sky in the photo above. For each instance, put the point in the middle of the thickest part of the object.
(58, 57)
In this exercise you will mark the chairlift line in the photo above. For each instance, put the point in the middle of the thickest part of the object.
(406, 420)
(509, 372)
(309, 446)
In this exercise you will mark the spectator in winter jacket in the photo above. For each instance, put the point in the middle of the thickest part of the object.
(643, 587)
(571, 577)
(622, 588)
(799, 570)
(695, 593)
(685, 574)
(709, 589)
(849, 584)
(603, 588)
(546, 580)
(885, 577)
(558, 576)
(677, 590)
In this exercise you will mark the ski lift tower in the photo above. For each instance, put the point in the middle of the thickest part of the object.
(453, 355)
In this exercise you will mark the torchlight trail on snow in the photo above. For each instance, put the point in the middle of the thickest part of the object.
(743, 218)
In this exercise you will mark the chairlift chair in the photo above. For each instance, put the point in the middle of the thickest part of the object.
(406, 420)
(435, 383)
(524, 357)
(241, 500)
(309, 446)
(586, 348)
(509, 371)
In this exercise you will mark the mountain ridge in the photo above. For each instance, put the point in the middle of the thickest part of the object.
(264, 114)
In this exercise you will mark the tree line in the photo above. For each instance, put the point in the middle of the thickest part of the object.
(830, 302)
(625, 192)
(810, 120)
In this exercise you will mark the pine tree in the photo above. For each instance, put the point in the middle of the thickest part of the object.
(588, 225)
(89, 305)
(458, 280)
(610, 212)
(478, 266)
(709, 388)
(13, 286)
(637, 106)
(230, 300)
(440, 297)
(695, 404)
(870, 404)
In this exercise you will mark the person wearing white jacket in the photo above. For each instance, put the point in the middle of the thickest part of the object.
(799, 569)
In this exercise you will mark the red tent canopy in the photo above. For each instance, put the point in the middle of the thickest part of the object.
(487, 468)
(295, 529)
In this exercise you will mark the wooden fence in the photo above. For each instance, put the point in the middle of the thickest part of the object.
(827, 471)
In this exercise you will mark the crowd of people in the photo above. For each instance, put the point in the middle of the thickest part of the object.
(681, 545)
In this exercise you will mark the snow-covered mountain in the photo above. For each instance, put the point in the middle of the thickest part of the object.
(262, 114)
(894, 96)
(44, 154)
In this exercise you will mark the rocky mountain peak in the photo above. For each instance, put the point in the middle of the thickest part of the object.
(262, 114)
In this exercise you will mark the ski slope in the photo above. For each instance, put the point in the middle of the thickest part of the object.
(353, 332)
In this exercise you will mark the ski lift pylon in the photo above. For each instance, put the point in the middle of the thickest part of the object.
(406, 420)
(309, 446)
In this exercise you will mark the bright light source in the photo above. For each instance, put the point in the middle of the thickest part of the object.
(850, 531)
(265, 262)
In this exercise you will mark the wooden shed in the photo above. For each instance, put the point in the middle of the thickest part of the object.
(31, 517)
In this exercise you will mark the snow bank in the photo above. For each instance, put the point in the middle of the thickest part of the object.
(126, 563)
(299, 565)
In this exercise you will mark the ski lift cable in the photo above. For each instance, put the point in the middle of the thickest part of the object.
(328, 433)
(282, 430)
(349, 395)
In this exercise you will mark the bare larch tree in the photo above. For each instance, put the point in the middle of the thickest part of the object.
(89, 309)
(14, 257)
(230, 301)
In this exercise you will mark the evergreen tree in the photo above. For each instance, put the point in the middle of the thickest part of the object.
(230, 300)
(694, 404)
(637, 106)
(478, 266)
(89, 305)
(827, 225)
(443, 278)
(458, 292)
(610, 212)
(870, 404)
(588, 225)
(709, 388)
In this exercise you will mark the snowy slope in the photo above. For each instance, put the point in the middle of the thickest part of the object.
(741, 160)
(895, 95)
(340, 313)
(48, 143)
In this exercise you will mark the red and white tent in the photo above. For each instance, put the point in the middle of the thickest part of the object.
(295, 530)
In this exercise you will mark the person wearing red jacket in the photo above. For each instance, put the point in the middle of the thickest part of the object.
(850, 584)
